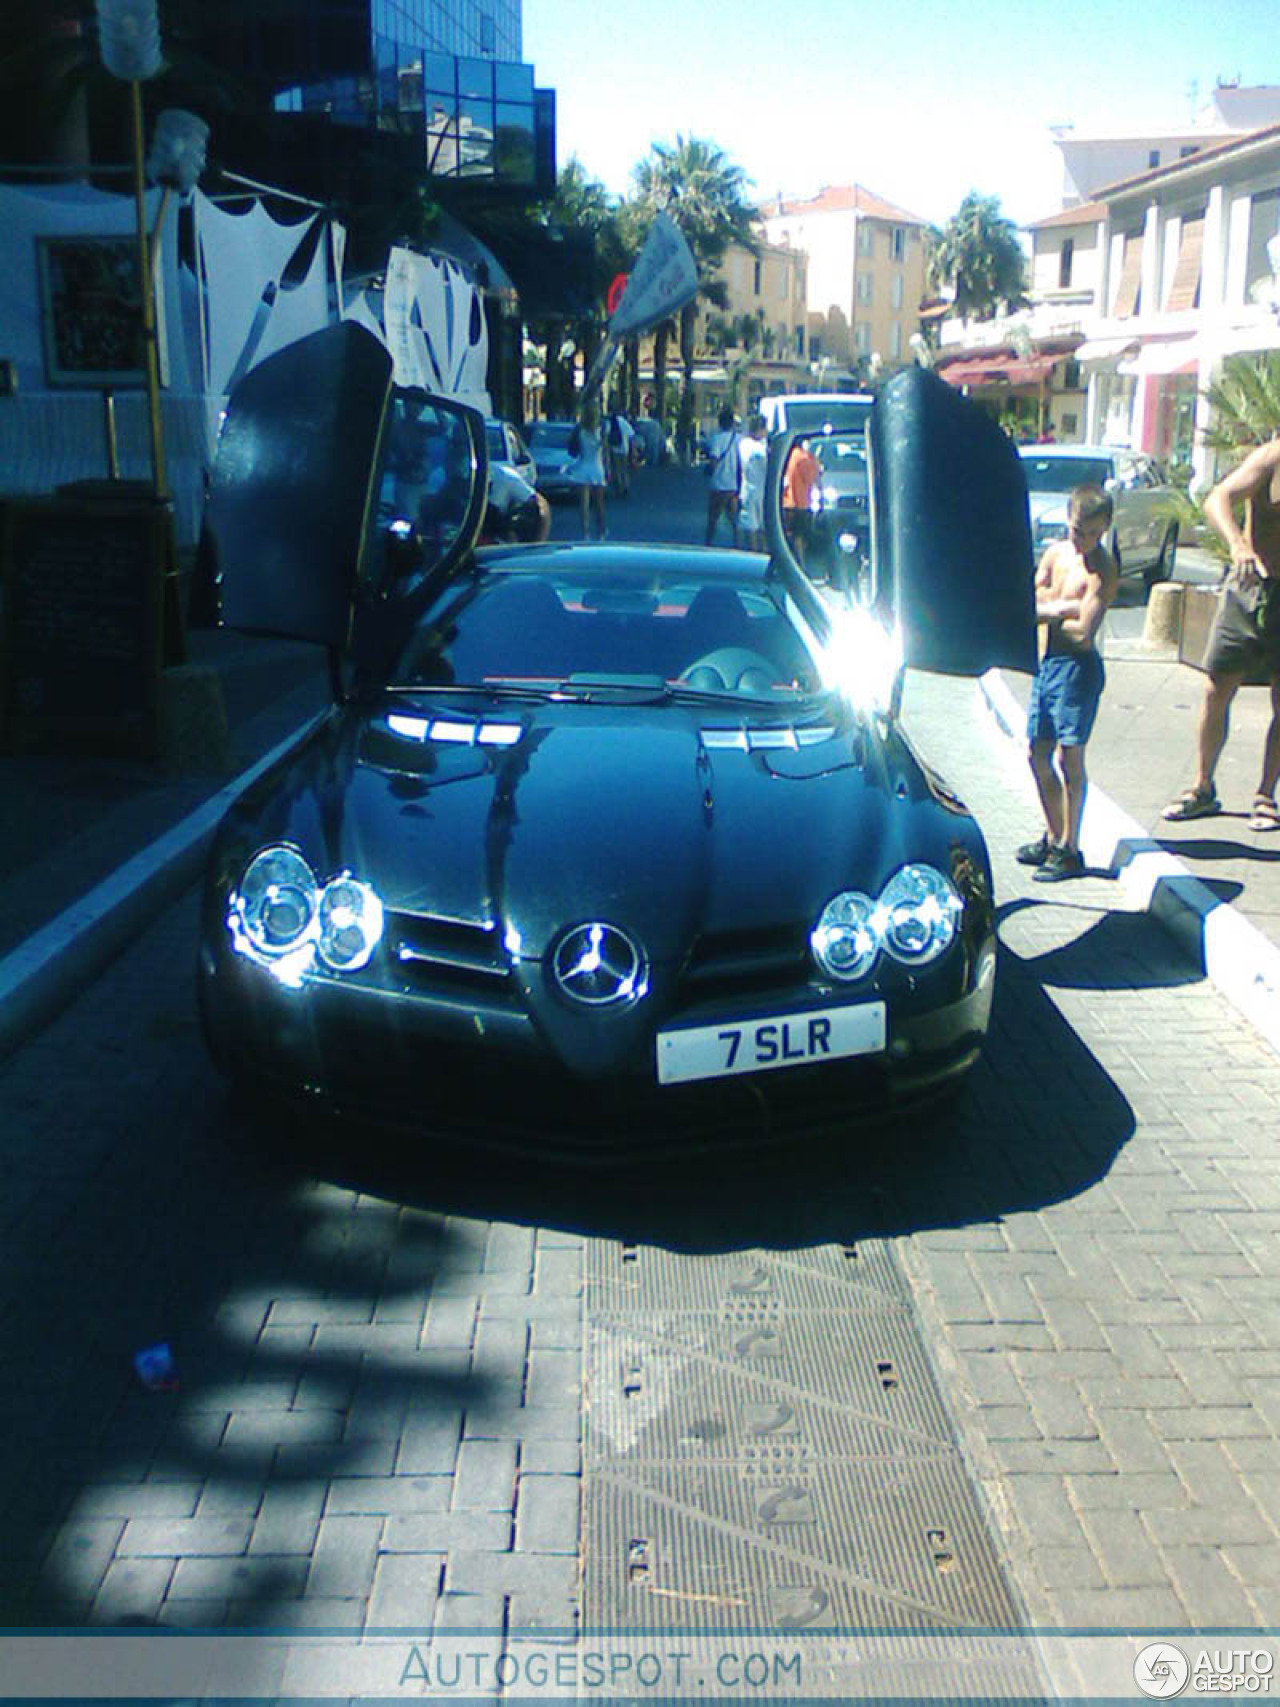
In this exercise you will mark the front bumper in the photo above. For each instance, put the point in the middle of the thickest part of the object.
(453, 1063)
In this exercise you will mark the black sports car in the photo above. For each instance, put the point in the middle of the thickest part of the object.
(632, 820)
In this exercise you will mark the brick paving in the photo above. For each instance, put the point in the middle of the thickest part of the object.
(1113, 1356)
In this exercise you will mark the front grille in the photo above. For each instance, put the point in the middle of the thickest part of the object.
(737, 962)
(445, 952)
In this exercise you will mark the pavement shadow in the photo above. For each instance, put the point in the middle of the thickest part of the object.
(1039, 1121)
(1220, 850)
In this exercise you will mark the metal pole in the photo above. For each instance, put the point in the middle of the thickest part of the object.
(147, 282)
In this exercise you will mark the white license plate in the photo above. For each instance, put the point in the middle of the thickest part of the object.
(760, 1045)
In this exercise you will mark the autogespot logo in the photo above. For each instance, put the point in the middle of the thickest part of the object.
(599, 965)
(1161, 1670)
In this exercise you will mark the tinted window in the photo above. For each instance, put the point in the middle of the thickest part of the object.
(543, 627)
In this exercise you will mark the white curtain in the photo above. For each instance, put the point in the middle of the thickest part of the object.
(434, 327)
(241, 254)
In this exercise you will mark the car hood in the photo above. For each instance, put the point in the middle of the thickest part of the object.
(657, 825)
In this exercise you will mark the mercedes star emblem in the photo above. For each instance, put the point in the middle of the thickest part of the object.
(599, 965)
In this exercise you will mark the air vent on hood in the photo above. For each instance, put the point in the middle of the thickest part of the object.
(766, 735)
(462, 731)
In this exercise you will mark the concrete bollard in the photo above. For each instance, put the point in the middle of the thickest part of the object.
(1163, 626)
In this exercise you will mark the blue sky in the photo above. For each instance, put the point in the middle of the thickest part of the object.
(919, 100)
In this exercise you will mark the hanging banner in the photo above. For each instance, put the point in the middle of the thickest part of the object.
(665, 277)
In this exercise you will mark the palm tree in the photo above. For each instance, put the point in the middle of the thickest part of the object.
(581, 204)
(705, 193)
(977, 255)
(1245, 412)
(1245, 404)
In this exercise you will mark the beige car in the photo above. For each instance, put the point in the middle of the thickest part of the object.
(1144, 534)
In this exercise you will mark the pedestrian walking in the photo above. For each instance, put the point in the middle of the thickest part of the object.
(802, 473)
(1245, 636)
(725, 474)
(586, 471)
(1075, 583)
(619, 438)
(753, 460)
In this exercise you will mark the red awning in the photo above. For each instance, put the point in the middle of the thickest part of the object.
(1002, 370)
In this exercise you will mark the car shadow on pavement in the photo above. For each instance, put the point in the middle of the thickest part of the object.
(1040, 1120)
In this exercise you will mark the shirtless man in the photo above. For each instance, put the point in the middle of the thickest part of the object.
(1245, 633)
(1075, 583)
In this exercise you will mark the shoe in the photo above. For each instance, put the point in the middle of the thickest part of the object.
(1194, 803)
(1060, 863)
(1033, 853)
(1265, 814)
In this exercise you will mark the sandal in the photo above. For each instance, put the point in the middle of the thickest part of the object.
(1194, 803)
(1265, 814)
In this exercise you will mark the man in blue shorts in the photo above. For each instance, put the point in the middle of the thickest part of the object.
(1075, 583)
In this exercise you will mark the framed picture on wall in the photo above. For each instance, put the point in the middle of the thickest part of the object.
(91, 312)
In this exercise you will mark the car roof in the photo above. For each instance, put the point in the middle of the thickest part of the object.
(1076, 450)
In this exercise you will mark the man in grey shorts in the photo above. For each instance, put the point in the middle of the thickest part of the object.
(1245, 633)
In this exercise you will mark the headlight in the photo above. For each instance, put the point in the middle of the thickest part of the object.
(350, 915)
(282, 918)
(276, 902)
(914, 920)
(844, 940)
(918, 914)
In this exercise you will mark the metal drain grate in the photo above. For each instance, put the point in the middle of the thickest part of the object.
(767, 1448)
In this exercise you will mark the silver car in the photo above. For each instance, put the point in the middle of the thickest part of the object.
(1144, 533)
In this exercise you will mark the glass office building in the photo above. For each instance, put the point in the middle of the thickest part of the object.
(445, 75)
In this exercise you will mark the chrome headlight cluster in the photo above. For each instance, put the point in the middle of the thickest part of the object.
(915, 919)
(282, 917)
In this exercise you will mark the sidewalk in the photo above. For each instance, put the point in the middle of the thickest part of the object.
(92, 847)
(1213, 882)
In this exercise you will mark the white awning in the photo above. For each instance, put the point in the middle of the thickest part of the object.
(1173, 355)
(1105, 352)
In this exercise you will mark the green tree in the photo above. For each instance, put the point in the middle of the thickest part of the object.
(705, 193)
(1244, 404)
(581, 205)
(977, 255)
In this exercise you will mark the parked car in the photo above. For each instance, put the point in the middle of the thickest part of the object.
(1144, 533)
(505, 445)
(549, 443)
(620, 830)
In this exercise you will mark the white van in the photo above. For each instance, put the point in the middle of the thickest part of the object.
(810, 411)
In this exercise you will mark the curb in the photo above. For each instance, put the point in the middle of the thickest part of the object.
(43, 974)
(1233, 954)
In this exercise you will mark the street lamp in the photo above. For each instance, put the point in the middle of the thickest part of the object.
(129, 41)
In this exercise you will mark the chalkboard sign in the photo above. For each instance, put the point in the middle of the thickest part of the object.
(80, 646)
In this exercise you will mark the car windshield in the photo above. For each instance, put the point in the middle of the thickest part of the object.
(550, 435)
(533, 630)
(805, 417)
(1064, 473)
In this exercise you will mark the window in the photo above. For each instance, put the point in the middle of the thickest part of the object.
(755, 280)
(895, 339)
(1130, 286)
(864, 289)
(862, 338)
(1153, 158)
(1264, 226)
(1070, 423)
(897, 243)
(1184, 291)
(1066, 256)
(895, 291)
(799, 340)
(865, 238)
(1187, 150)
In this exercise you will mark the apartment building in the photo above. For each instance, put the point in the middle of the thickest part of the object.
(866, 275)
